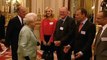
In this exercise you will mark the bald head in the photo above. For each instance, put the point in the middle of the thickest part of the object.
(63, 11)
(64, 8)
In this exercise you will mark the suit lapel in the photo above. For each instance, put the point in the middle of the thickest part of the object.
(103, 35)
(65, 22)
(84, 26)
(18, 20)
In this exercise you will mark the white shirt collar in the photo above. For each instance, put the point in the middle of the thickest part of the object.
(64, 19)
(20, 19)
(104, 27)
(84, 21)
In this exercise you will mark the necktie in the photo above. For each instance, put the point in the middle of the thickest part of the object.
(97, 38)
(80, 26)
(22, 21)
(99, 33)
(62, 21)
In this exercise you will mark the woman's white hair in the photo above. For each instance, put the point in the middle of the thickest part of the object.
(30, 17)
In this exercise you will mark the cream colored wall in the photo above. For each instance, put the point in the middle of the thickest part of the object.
(99, 7)
(75, 4)
(0, 4)
(42, 4)
(66, 3)
(88, 5)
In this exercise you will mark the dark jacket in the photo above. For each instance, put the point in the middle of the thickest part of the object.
(84, 38)
(67, 34)
(2, 27)
(12, 35)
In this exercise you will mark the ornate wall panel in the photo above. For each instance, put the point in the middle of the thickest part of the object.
(99, 5)
(40, 5)
(73, 6)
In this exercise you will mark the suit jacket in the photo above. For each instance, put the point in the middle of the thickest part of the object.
(67, 34)
(84, 38)
(101, 46)
(12, 32)
(27, 43)
(2, 27)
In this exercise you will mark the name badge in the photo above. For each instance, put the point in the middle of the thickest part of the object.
(51, 23)
(61, 28)
(83, 32)
(104, 39)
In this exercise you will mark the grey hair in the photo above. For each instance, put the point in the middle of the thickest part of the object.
(30, 17)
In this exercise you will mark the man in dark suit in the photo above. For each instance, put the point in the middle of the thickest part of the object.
(63, 34)
(2, 28)
(100, 52)
(13, 29)
(85, 33)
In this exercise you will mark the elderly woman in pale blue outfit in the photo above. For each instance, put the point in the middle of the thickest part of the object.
(27, 41)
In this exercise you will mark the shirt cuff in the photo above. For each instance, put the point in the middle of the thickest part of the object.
(81, 52)
(68, 45)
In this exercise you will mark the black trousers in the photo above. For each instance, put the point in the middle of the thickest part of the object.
(48, 50)
(95, 57)
(14, 52)
(84, 58)
(61, 55)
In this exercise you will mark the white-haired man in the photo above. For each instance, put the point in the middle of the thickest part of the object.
(27, 41)
(14, 26)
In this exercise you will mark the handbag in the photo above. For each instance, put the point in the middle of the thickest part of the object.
(47, 55)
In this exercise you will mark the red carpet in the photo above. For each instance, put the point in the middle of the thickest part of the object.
(5, 54)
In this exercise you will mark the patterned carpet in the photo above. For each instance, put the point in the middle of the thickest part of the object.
(5, 54)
